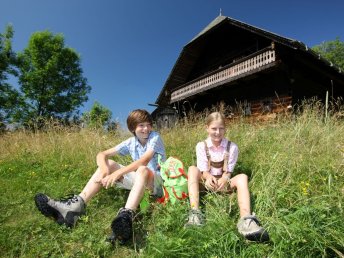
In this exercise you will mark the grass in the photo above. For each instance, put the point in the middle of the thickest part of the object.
(296, 170)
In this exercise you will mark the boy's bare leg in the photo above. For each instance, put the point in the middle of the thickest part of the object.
(122, 224)
(194, 176)
(144, 178)
(93, 187)
(240, 182)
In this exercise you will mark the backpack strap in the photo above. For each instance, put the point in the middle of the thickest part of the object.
(207, 154)
(226, 157)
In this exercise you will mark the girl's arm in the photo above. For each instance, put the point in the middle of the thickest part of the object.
(233, 157)
(226, 175)
(202, 164)
(224, 180)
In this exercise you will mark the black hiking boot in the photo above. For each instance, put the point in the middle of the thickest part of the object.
(122, 226)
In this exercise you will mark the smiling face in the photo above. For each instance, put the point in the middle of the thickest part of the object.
(216, 131)
(142, 131)
(136, 117)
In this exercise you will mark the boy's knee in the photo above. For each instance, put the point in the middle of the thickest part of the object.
(142, 171)
(112, 165)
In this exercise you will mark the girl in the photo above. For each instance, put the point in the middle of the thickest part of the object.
(216, 159)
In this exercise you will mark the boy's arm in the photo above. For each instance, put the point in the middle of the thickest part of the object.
(102, 161)
(143, 161)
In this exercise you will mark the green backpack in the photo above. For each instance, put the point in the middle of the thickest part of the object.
(175, 180)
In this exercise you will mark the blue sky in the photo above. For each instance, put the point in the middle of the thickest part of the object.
(128, 47)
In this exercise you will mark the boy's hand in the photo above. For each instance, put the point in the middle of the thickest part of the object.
(110, 180)
(99, 178)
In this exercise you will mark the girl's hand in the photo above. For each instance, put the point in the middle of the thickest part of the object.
(221, 184)
(211, 182)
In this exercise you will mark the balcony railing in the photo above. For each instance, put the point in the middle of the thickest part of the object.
(205, 83)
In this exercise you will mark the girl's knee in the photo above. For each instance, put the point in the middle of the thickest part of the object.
(240, 180)
(193, 172)
(243, 177)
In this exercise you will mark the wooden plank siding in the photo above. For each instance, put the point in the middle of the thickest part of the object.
(240, 67)
(275, 104)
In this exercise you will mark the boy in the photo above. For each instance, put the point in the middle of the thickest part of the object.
(144, 148)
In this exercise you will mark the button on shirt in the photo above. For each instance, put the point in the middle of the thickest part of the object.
(216, 154)
(133, 147)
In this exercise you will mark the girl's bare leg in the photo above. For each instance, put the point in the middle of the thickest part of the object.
(240, 182)
(194, 176)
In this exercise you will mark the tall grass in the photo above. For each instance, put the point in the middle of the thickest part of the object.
(296, 171)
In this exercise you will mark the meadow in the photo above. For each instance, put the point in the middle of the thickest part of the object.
(295, 165)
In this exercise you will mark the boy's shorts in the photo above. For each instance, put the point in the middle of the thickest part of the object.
(129, 180)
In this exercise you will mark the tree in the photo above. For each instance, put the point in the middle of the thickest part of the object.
(98, 117)
(8, 95)
(333, 51)
(113, 127)
(51, 79)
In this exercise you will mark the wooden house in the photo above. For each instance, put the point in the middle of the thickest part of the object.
(241, 65)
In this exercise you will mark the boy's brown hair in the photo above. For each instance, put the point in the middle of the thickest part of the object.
(136, 117)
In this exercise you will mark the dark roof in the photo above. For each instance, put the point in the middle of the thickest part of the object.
(275, 37)
(190, 52)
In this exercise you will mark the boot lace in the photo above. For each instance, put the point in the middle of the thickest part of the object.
(196, 215)
(69, 199)
(252, 218)
(130, 212)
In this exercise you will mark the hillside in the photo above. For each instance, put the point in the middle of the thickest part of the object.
(296, 171)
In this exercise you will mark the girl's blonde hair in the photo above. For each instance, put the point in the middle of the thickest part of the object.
(215, 116)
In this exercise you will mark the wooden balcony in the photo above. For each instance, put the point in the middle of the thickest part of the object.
(250, 64)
